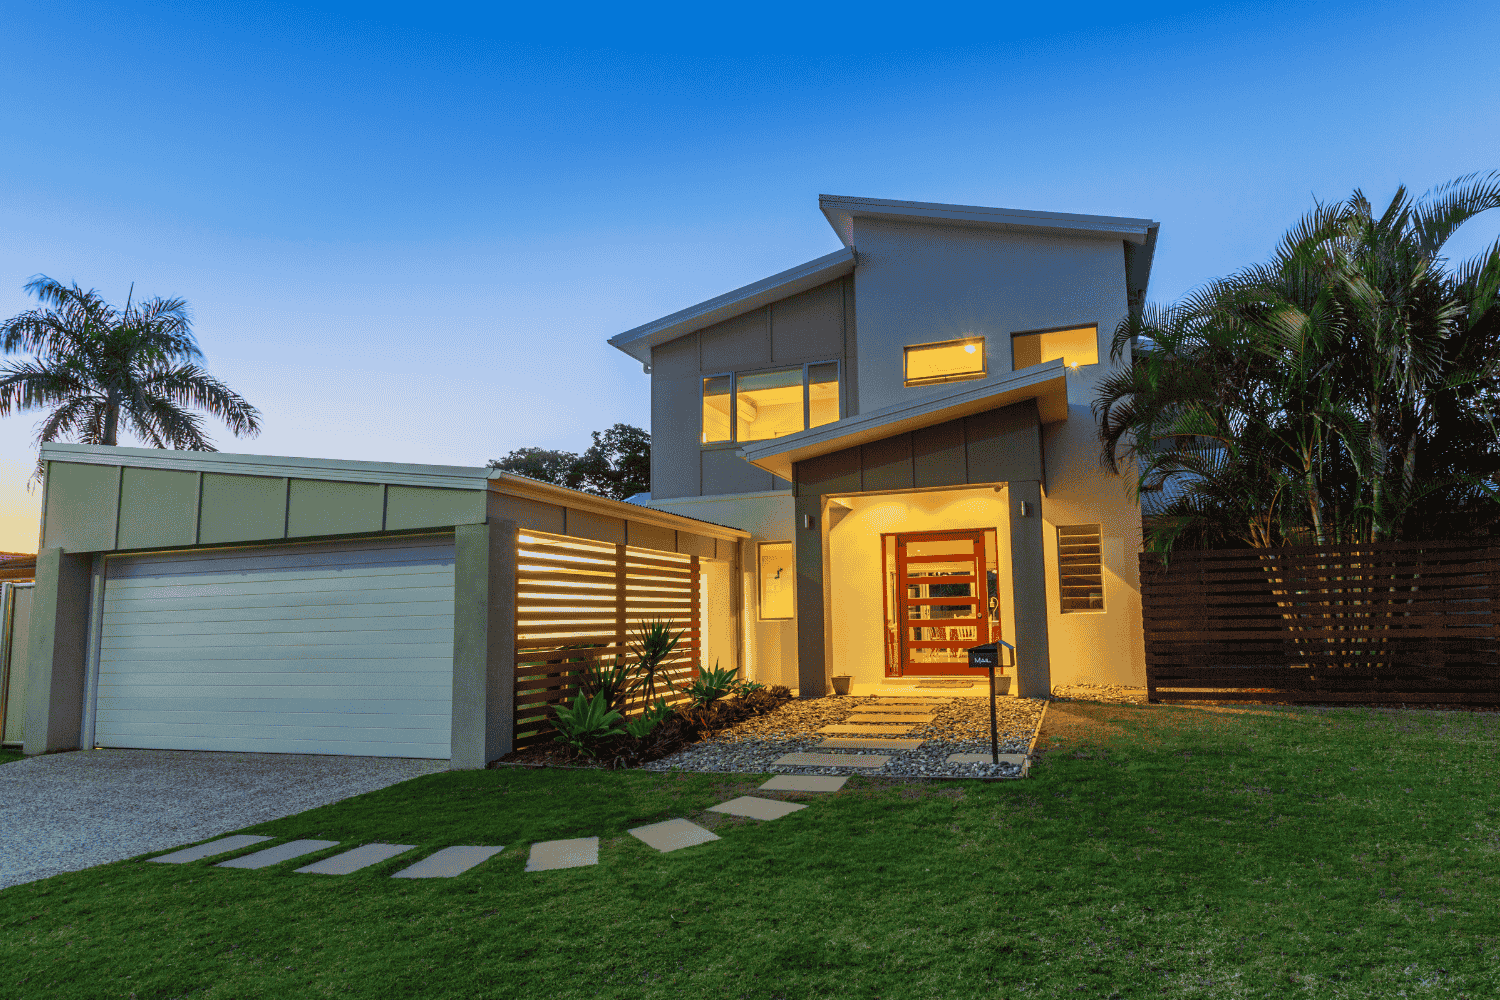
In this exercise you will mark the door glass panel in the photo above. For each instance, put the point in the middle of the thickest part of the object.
(716, 408)
(822, 394)
(769, 404)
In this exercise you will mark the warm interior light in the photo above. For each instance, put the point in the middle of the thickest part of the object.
(946, 362)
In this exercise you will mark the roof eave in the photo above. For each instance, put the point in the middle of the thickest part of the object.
(1046, 383)
(638, 342)
(841, 210)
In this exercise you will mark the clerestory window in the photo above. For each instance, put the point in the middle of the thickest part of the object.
(1076, 346)
(949, 361)
(756, 406)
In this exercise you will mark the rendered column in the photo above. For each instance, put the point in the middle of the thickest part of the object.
(811, 629)
(1028, 574)
(57, 653)
(484, 642)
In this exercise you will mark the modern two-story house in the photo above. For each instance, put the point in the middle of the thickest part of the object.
(904, 427)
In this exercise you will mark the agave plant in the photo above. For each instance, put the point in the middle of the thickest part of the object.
(654, 643)
(612, 681)
(588, 721)
(711, 685)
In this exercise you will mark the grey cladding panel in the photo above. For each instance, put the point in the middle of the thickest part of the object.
(737, 344)
(676, 358)
(938, 454)
(675, 434)
(888, 464)
(82, 506)
(321, 507)
(726, 472)
(158, 508)
(582, 524)
(838, 472)
(1005, 444)
(242, 508)
(526, 513)
(649, 536)
(809, 326)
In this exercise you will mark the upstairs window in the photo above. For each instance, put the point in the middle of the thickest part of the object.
(1076, 346)
(950, 361)
(756, 406)
(1080, 570)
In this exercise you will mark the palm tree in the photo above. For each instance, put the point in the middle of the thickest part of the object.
(95, 366)
(1346, 391)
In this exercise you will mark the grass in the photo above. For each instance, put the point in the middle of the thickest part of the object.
(1158, 853)
(7, 755)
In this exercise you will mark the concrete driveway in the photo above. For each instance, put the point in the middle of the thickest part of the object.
(68, 811)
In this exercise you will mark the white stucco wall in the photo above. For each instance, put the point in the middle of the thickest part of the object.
(770, 646)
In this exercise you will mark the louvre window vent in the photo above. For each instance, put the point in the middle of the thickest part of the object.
(1079, 569)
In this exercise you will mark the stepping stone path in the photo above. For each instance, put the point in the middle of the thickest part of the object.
(863, 717)
(887, 727)
(353, 861)
(551, 855)
(832, 760)
(871, 743)
(208, 850)
(448, 862)
(673, 835)
(757, 808)
(805, 783)
(276, 855)
(581, 852)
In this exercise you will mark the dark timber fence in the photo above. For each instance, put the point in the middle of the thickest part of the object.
(1390, 622)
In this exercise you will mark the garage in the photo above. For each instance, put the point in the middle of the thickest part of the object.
(319, 648)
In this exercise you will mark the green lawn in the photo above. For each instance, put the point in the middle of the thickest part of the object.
(1175, 853)
(7, 755)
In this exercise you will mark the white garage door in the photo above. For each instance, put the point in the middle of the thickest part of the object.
(326, 648)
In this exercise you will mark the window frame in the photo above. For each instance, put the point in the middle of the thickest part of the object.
(984, 362)
(1054, 329)
(760, 586)
(734, 395)
(1062, 598)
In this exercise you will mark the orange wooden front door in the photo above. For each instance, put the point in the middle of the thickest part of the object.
(940, 600)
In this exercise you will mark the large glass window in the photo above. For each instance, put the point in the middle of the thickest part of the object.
(776, 593)
(951, 361)
(756, 406)
(1077, 346)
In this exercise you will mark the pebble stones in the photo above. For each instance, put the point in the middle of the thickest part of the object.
(958, 725)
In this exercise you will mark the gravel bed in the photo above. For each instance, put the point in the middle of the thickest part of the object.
(1108, 694)
(959, 725)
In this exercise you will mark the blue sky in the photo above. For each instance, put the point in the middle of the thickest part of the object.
(406, 231)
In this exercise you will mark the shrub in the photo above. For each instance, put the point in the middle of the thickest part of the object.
(586, 723)
(654, 642)
(613, 682)
(641, 726)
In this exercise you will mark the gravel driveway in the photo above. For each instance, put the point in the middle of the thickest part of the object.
(68, 811)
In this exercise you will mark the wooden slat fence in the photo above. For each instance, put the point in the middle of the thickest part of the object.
(1407, 622)
(579, 601)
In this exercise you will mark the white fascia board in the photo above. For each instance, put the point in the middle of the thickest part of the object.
(451, 477)
(1045, 383)
(638, 342)
(841, 210)
(511, 484)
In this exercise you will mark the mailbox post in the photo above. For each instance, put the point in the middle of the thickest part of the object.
(987, 657)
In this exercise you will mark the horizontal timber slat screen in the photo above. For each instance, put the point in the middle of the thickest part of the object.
(579, 602)
(1389, 622)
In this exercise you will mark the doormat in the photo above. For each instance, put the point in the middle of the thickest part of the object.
(946, 684)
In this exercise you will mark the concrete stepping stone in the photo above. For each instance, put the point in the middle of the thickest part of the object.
(276, 855)
(448, 862)
(551, 855)
(221, 846)
(872, 730)
(673, 835)
(805, 783)
(984, 758)
(832, 760)
(870, 743)
(886, 717)
(756, 808)
(353, 861)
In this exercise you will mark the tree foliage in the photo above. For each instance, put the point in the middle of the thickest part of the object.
(1345, 391)
(616, 465)
(98, 368)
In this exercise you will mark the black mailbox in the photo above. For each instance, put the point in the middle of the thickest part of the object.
(985, 657)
